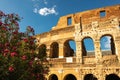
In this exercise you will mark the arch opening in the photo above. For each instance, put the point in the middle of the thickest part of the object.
(70, 77)
(42, 50)
(90, 77)
(53, 77)
(54, 50)
(107, 45)
(112, 77)
(69, 48)
(88, 47)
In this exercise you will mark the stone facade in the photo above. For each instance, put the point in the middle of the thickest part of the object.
(94, 24)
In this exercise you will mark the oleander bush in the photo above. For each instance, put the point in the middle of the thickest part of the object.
(19, 55)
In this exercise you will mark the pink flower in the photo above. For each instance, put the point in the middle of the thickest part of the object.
(25, 40)
(1, 23)
(15, 32)
(31, 62)
(4, 54)
(24, 57)
(11, 69)
(14, 48)
(19, 43)
(7, 44)
(31, 42)
(13, 54)
(6, 50)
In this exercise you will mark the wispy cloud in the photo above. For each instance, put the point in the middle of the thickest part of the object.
(107, 42)
(35, 10)
(45, 2)
(47, 11)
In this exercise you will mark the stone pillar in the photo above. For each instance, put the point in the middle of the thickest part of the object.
(98, 54)
(48, 51)
(78, 34)
(61, 50)
(61, 72)
(99, 71)
(117, 47)
(79, 58)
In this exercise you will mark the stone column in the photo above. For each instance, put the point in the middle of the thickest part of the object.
(61, 50)
(99, 71)
(48, 50)
(79, 58)
(78, 34)
(98, 54)
(117, 47)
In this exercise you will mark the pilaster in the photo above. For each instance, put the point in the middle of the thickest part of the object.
(117, 47)
(79, 58)
(48, 50)
(61, 50)
(98, 54)
(78, 32)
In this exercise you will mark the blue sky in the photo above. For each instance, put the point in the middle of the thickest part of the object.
(42, 15)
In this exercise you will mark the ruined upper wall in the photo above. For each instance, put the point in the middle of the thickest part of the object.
(87, 17)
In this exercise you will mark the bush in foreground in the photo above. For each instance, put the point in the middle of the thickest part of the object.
(18, 58)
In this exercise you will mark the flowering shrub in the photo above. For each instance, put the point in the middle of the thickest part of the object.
(18, 58)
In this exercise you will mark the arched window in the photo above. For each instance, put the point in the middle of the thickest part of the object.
(70, 77)
(112, 77)
(88, 47)
(90, 77)
(42, 50)
(69, 48)
(54, 50)
(53, 77)
(107, 45)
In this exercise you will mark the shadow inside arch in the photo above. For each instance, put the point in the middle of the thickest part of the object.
(70, 77)
(90, 77)
(112, 77)
(53, 77)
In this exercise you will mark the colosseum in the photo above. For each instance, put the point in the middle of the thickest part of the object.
(81, 64)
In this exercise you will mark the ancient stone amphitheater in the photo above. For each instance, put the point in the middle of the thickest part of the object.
(67, 64)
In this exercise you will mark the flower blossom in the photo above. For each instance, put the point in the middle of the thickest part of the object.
(11, 69)
(6, 50)
(25, 40)
(1, 23)
(13, 54)
(24, 57)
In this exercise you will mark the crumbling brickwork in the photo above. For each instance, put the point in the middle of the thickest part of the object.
(93, 24)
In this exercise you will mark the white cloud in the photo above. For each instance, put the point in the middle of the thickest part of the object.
(47, 11)
(35, 10)
(45, 2)
(107, 43)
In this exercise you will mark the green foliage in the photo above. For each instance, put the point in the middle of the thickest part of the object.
(18, 58)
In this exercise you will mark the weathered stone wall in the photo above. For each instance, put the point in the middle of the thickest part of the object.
(93, 24)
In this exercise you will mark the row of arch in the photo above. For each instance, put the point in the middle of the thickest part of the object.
(69, 48)
(86, 77)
